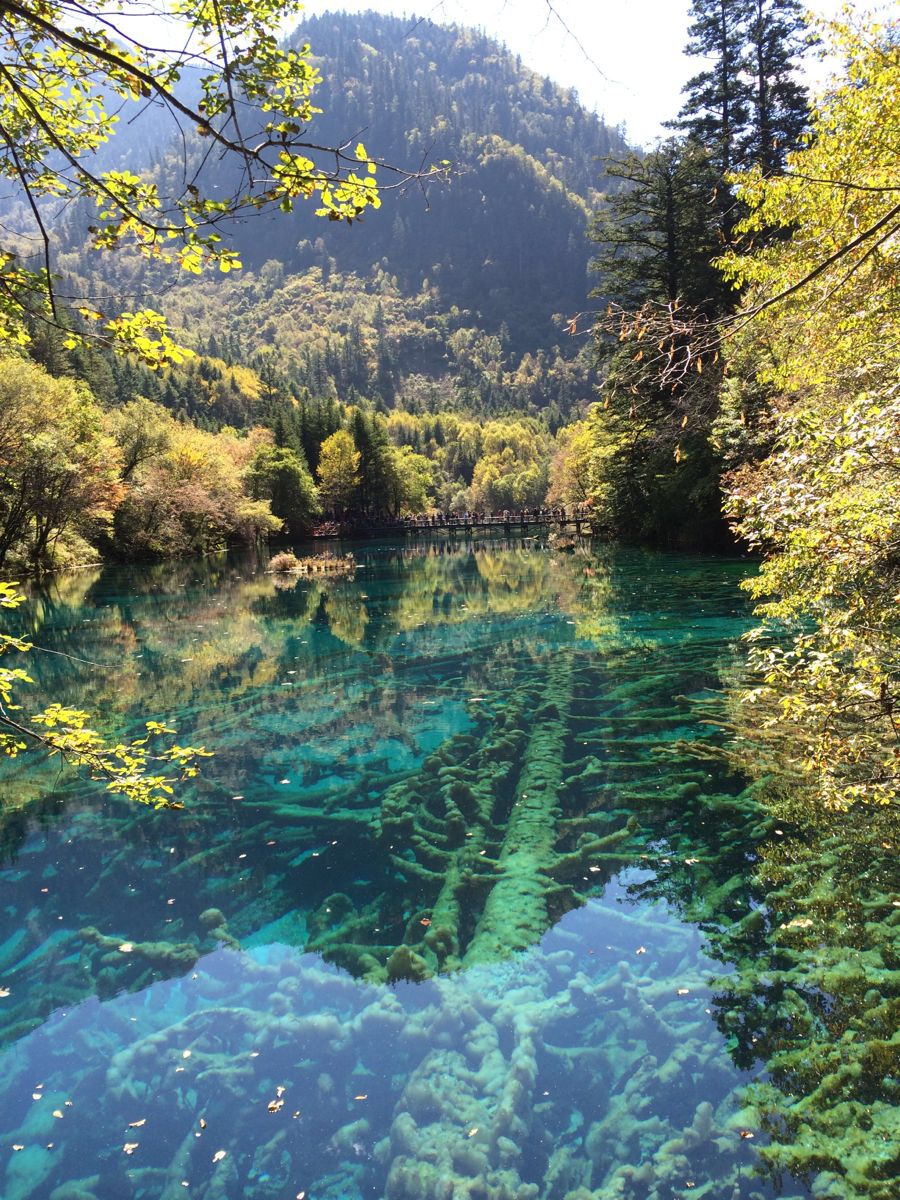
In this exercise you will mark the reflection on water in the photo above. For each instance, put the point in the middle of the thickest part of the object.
(446, 915)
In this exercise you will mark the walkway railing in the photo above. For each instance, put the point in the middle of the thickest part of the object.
(512, 522)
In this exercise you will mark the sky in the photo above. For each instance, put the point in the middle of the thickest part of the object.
(624, 57)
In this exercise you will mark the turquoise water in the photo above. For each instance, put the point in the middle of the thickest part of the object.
(453, 912)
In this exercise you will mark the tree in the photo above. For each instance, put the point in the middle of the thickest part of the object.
(821, 324)
(412, 481)
(193, 498)
(59, 470)
(282, 477)
(142, 430)
(71, 71)
(776, 35)
(572, 468)
(338, 471)
(653, 473)
(512, 469)
(657, 466)
(657, 235)
(717, 107)
(376, 465)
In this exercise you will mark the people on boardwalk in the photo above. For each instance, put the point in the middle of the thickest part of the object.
(374, 524)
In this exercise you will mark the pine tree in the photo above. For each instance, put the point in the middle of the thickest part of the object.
(776, 35)
(718, 105)
(658, 234)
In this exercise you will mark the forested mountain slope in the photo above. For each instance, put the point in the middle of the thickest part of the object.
(506, 237)
(453, 294)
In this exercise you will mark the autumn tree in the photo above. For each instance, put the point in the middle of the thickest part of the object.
(820, 326)
(142, 431)
(512, 469)
(194, 498)
(338, 471)
(412, 479)
(59, 470)
(573, 469)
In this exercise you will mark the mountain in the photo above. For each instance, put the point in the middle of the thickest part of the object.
(506, 237)
(453, 294)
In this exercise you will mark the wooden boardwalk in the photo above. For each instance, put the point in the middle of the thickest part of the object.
(515, 524)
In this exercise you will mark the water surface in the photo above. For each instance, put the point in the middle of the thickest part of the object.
(455, 910)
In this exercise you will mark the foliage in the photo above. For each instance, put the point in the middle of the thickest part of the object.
(824, 505)
(573, 476)
(136, 769)
(280, 475)
(338, 471)
(656, 467)
(511, 471)
(193, 497)
(746, 106)
(412, 481)
(316, 338)
(59, 470)
(654, 475)
(70, 76)
(658, 235)
(776, 34)
(284, 562)
(717, 104)
(142, 431)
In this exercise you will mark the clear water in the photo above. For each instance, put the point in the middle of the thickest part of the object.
(451, 913)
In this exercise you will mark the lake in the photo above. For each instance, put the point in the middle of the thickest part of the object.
(467, 904)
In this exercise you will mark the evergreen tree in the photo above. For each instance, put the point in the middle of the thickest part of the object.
(658, 234)
(375, 463)
(776, 34)
(717, 109)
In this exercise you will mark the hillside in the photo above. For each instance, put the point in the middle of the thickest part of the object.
(454, 296)
(506, 237)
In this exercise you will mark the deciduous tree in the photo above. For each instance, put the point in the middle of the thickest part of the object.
(821, 324)
(59, 470)
(338, 471)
